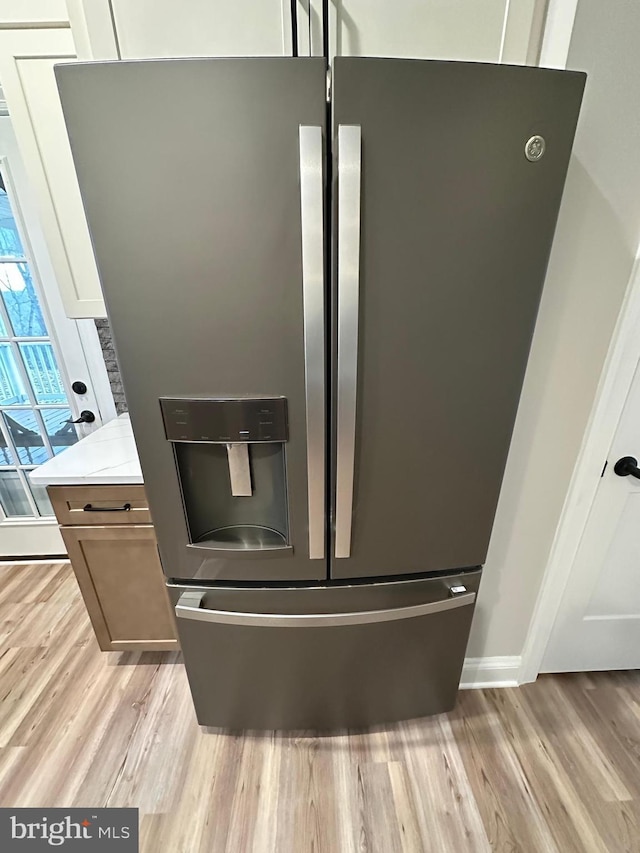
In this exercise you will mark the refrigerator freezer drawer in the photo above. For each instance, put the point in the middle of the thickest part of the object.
(325, 657)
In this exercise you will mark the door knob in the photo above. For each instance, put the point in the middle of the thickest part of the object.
(627, 465)
(86, 417)
(79, 387)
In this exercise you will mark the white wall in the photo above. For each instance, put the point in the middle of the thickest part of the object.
(596, 241)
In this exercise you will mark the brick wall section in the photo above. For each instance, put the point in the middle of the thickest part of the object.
(113, 371)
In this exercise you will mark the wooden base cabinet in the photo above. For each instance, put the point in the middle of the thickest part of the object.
(118, 570)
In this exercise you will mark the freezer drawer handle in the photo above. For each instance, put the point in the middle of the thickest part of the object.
(312, 224)
(349, 180)
(189, 607)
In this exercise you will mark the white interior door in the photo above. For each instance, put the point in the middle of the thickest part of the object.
(598, 622)
(42, 353)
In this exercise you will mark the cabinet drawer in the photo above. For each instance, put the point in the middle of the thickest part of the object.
(99, 505)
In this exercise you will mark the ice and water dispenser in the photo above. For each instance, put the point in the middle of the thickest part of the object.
(230, 460)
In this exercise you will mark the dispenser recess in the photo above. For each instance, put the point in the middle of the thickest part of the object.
(230, 462)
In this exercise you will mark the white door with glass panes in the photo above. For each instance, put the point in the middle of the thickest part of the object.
(42, 353)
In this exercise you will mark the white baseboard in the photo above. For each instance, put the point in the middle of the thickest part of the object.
(490, 672)
(19, 561)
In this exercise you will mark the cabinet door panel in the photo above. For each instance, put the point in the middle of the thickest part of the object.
(202, 28)
(491, 31)
(121, 581)
(27, 58)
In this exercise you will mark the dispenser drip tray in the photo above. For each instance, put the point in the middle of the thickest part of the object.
(242, 537)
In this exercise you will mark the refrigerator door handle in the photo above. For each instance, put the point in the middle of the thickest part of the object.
(189, 606)
(349, 181)
(312, 221)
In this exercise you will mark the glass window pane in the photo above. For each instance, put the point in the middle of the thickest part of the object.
(12, 495)
(61, 434)
(6, 457)
(10, 243)
(12, 390)
(26, 436)
(3, 329)
(41, 498)
(21, 300)
(43, 372)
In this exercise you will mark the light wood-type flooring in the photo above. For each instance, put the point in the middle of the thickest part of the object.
(553, 766)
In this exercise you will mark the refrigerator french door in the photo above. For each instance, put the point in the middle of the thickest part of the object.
(322, 318)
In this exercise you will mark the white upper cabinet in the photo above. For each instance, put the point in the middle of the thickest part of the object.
(472, 30)
(148, 28)
(27, 57)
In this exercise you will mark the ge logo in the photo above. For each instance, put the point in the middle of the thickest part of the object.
(534, 149)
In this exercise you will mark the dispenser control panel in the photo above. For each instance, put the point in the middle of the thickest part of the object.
(227, 421)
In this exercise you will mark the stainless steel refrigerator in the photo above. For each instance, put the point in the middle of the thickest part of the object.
(322, 301)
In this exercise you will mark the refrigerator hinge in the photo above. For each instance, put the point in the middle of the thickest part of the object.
(328, 85)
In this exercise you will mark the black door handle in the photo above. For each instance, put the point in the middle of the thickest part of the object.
(627, 465)
(86, 417)
(91, 508)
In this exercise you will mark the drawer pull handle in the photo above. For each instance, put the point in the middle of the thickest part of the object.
(189, 606)
(91, 508)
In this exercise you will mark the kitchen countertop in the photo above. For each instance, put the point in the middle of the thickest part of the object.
(106, 457)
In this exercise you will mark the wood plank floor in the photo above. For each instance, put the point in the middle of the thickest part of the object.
(553, 766)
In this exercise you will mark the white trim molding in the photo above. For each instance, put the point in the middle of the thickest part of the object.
(19, 538)
(503, 37)
(20, 561)
(94, 30)
(501, 671)
(561, 16)
(98, 376)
